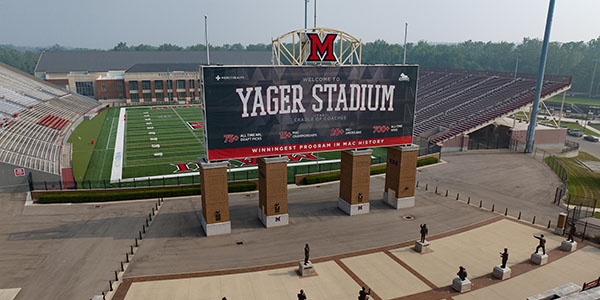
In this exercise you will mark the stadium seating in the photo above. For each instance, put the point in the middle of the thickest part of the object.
(451, 102)
(36, 118)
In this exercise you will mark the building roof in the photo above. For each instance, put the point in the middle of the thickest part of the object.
(102, 61)
(142, 68)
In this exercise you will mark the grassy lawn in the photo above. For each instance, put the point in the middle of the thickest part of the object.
(583, 185)
(82, 143)
(576, 100)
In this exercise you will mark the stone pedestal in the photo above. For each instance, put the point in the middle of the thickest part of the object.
(400, 176)
(272, 191)
(355, 179)
(501, 273)
(306, 269)
(461, 286)
(422, 247)
(215, 198)
(539, 259)
(568, 246)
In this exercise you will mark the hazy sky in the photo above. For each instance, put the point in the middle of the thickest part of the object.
(103, 23)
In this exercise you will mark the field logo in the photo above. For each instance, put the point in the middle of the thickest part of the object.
(195, 125)
(321, 50)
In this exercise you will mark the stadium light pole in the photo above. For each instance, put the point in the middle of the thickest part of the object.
(315, 14)
(540, 80)
(405, 34)
(305, 14)
(593, 76)
(206, 39)
(516, 68)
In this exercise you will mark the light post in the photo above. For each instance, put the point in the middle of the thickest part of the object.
(593, 75)
(540, 81)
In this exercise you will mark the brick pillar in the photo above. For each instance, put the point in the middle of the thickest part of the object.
(272, 191)
(215, 198)
(355, 178)
(400, 176)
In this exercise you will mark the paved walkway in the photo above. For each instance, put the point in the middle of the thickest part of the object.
(393, 273)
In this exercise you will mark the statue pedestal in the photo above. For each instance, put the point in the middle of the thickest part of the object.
(422, 247)
(461, 286)
(306, 269)
(539, 259)
(501, 273)
(568, 246)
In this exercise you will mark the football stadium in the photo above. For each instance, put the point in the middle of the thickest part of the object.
(300, 172)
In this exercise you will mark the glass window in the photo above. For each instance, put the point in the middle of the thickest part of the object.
(192, 84)
(85, 88)
(170, 96)
(160, 96)
(135, 97)
(181, 95)
(147, 96)
(105, 97)
(133, 85)
(120, 95)
(169, 84)
(193, 95)
(181, 84)
(158, 84)
(104, 87)
(146, 85)
(119, 86)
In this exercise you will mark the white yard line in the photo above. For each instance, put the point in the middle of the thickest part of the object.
(186, 126)
(106, 150)
(117, 165)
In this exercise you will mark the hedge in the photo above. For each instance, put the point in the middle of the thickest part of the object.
(119, 195)
(319, 178)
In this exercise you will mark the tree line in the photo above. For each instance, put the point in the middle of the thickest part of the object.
(572, 59)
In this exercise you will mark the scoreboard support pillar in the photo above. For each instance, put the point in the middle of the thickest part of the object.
(215, 198)
(355, 180)
(272, 191)
(400, 176)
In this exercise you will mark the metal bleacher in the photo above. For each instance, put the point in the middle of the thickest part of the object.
(452, 102)
(24, 102)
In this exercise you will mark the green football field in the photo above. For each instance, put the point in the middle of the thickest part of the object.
(177, 136)
(576, 100)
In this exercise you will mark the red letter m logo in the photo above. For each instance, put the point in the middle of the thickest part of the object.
(321, 51)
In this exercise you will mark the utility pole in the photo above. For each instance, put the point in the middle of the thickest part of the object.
(206, 39)
(540, 80)
(593, 76)
(405, 34)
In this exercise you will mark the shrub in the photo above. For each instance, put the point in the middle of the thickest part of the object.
(133, 194)
(241, 187)
(319, 178)
(427, 161)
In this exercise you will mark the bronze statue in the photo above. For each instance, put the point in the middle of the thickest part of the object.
(424, 232)
(572, 231)
(462, 273)
(306, 254)
(301, 295)
(504, 256)
(542, 244)
(363, 294)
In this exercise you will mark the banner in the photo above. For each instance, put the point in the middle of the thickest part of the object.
(274, 110)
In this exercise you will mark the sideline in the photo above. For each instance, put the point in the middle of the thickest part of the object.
(117, 166)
